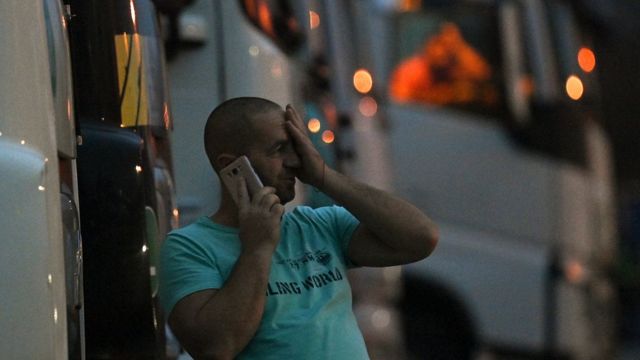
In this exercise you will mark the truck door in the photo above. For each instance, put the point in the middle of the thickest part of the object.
(124, 173)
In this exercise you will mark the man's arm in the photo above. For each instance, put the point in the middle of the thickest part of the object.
(391, 231)
(218, 324)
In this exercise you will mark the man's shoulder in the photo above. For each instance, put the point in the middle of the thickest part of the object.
(203, 237)
(302, 212)
(200, 230)
(322, 215)
(305, 210)
(188, 230)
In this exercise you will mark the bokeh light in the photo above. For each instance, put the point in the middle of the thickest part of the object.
(314, 19)
(574, 87)
(362, 81)
(314, 125)
(328, 136)
(586, 59)
(368, 106)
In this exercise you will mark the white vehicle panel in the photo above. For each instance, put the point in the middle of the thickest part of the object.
(60, 67)
(32, 288)
(441, 160)
(501, 280)
(507, 229)
(29, 315)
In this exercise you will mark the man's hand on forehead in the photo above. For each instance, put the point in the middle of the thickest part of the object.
(312, 164)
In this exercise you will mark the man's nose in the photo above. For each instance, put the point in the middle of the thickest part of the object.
(292, 159)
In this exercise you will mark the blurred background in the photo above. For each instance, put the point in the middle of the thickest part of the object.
(511, 123)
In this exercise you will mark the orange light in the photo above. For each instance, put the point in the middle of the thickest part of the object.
(368, 106)
(328, 136)
(586, 59)
(166, 115)
(445, 70)
(362, 81)
(410, 5)
(314, 19)
(175, 220)
(133, 13)
(575, 272)
(526, 85)
(314, 125)
(250, 5)
(265, 18)
(574, 87)
(331, 113)
(69, 109)
(276, 70)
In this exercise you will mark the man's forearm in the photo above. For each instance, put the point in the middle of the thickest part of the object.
(394, 221)
(231, 317)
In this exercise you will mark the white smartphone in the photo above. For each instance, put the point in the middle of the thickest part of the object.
(240, 167)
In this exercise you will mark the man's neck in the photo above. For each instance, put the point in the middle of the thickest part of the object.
(226, 215)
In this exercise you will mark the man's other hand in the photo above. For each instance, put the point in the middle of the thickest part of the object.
(312, 166)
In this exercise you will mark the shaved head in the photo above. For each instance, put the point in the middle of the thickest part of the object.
(230, 126)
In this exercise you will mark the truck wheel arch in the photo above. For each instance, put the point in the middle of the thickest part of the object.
(436, 323)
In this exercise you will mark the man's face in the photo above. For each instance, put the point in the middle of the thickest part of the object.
(272, 154)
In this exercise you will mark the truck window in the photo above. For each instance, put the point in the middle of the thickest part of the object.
(448, 57)
(276, 19)
(143, 97)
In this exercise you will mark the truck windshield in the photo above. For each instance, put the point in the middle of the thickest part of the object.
(276, 19)
(449, 57)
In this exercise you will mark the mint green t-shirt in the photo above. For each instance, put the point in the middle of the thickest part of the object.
(308, 313)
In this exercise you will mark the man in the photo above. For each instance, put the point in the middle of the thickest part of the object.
(252, 282)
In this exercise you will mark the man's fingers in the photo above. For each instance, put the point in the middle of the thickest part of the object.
(294, 131)
(302, 143)
(261, 194)
(296, 127)
(277, 209)
(243, 193)
(269, 200)
(296, 119)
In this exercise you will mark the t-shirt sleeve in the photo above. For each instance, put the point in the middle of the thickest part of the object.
(343, 224)
(184, 269)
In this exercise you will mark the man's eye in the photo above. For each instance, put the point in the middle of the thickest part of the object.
(284, 148)
(276, 150)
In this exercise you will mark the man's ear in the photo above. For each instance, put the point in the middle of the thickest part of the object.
(225, 159)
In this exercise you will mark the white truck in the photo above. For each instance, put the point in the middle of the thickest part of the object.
(488, 120)
(41, 314)
(518, 175)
